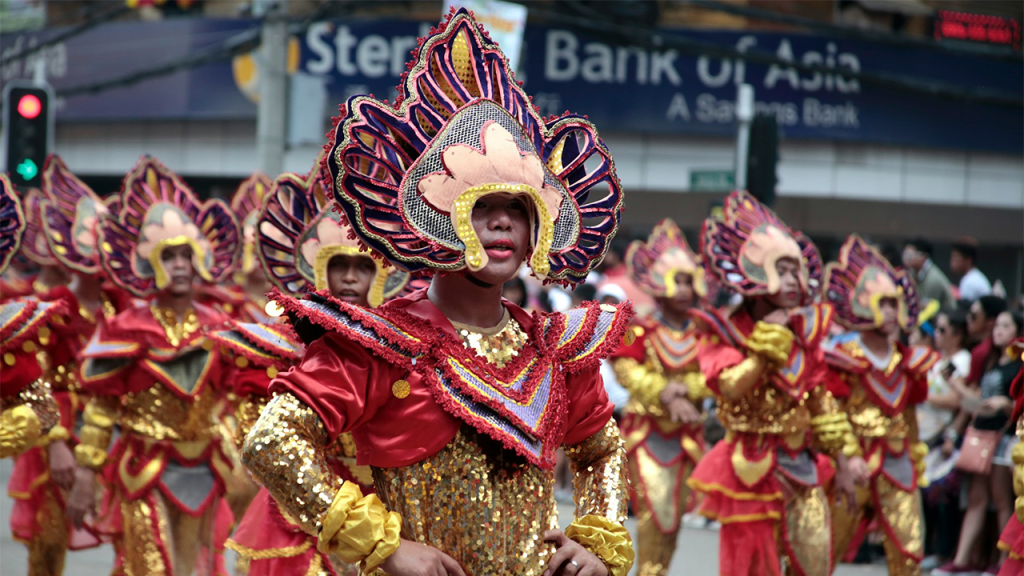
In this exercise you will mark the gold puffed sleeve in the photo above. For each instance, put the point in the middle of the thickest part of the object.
(918, 450)
(285, 450)
(737, 381)
(100, 415)
(696, 387)
(19, 430)
(643, 383)
(832, 433)
(600, 490)
(771, 341)
(28, 418)
(248, 411)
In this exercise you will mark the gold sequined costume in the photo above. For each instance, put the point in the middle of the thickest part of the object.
(879, 395)
(152, 373)
(480, 490)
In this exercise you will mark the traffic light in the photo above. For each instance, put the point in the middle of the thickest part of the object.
(762, 157)
(28, 126)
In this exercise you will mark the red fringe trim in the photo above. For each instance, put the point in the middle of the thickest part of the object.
(56, 308)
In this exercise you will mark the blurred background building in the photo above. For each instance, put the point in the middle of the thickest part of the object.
(897, 118)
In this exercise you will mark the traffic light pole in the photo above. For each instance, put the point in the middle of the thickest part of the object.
(744, 115)
(272, 113)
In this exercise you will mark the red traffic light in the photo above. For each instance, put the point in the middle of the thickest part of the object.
(29, 106)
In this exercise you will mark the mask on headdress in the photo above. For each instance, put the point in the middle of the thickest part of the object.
(408, 175)
(653, 265)
(743, 248)
(860, 280)
(246, 205)
(71, 215)
(300, 230)
(157, 210)
(12, 222)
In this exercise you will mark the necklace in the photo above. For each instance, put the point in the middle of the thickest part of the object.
(498, 345)
(176, 331)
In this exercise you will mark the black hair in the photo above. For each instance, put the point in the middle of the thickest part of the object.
(967, 250)
(517, 282)
(921, 245)
(1018, 321)
(586, 292)
(992, 306)
(958, 322)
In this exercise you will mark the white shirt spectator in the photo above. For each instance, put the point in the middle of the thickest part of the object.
(931, 420)
(974, 285)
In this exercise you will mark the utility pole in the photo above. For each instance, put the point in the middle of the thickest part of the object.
(272, 60)
(745, 115)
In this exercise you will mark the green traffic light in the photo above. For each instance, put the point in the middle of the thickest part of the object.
(27, 169)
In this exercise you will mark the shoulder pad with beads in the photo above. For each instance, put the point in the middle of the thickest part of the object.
(918, 360)
(390, 338)
(588, 333)
(810, 324)
(260, 344)
(21, 320)
(717, 323)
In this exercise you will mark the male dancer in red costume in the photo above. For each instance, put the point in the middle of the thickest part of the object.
(663, 429)
(764, 364)
(304, 247)
(42, 477)
(878, 383)
(149, 374)
(456, 399)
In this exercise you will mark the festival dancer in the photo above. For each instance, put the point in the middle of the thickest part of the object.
(663, 430)
(245, 298)
(43, 476)
(28, 412)
(764, 363)
(36, 253)
(456, 399)
(1012, 539)
(151, 374)
(304, 246)
(878, 383)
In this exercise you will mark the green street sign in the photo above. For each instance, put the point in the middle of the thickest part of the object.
(711, 181)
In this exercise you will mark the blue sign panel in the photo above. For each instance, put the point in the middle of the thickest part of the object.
(621, 88)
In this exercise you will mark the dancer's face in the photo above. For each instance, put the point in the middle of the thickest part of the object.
(684, 296)
(502, 223)
(177, 263)
(349, 278)
(889, 309)
(789, 284)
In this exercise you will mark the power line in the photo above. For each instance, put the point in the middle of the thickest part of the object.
(875, 36)
(90, 23)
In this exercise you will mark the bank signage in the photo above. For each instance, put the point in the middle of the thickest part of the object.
(621, 88)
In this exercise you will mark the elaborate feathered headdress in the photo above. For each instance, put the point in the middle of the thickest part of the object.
(742, 249)
(653, 265)
(246, 205)
(158, 210)
(33, 243)
(300, 230)
(409, 175)
(71, 215)
(860, 280)
(12, 222)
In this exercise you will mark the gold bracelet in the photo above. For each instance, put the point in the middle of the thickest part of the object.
(90, 456)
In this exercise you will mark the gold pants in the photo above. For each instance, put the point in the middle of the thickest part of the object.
(160, 540)
(661, 498)
(47, 550)
(806, 540)
(897, 511)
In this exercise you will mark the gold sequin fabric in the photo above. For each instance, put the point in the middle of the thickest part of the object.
(146, 533)
(898, 510)
(158, 413)
(599, 472)
(248, 412)
(47, 550)
(176, 330)
(481, 504)
(867, 419)
(285, 451)
(808, 530)
(498, 345)
(660, 503)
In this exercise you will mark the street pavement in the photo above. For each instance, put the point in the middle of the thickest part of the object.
(697, 554)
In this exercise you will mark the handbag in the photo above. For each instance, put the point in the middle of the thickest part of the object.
(978, 450)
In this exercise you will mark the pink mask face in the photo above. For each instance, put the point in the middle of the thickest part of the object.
(765, 247)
